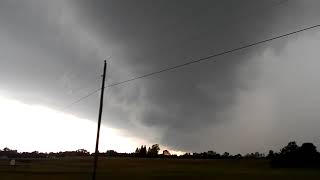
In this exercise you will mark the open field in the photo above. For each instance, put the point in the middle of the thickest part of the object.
(133, 168)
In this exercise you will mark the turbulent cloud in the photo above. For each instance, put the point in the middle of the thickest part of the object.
(53, 49)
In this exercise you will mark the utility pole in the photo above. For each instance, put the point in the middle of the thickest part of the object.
(99, 123)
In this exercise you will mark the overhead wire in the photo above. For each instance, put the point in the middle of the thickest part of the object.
(80, 99)
(207, 58)
(275, 4)
(86, 87)
(212, 56)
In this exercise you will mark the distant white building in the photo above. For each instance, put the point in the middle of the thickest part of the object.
(12, 162)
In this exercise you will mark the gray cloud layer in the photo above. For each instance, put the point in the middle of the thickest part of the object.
(51, 49)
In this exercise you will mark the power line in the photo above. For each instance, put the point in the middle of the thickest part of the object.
(85, 87)
(80, 99)
(207, 58)
(212, 56)
(277, 3)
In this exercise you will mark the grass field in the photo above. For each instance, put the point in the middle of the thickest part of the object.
(133, 168)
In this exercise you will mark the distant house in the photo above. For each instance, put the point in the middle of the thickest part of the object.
(166, 153)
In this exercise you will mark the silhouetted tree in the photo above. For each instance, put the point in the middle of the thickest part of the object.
(154, 150)
(82, 152)
(238, 156)
(9, 153)
(111, 153)
(225, 155)
(270, 155)
(141, 152)
(255, 155)
(308, 150)
(166, 153)
(6, 149)
(290, 149)
(294, 156)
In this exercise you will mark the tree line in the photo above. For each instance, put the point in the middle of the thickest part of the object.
(291, 155)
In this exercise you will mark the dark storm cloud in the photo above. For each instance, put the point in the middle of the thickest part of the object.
(156, 34)
(42, 55)
(62, 44)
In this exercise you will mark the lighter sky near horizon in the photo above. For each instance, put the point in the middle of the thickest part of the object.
(37, 128)
(28, 128)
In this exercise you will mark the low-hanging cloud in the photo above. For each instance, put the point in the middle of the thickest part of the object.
(207, 105)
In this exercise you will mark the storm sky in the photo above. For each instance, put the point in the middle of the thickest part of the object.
(52, 52)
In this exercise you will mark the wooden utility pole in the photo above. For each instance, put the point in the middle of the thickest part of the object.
(96, 153)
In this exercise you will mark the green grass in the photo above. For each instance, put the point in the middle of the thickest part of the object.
(133, 168)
